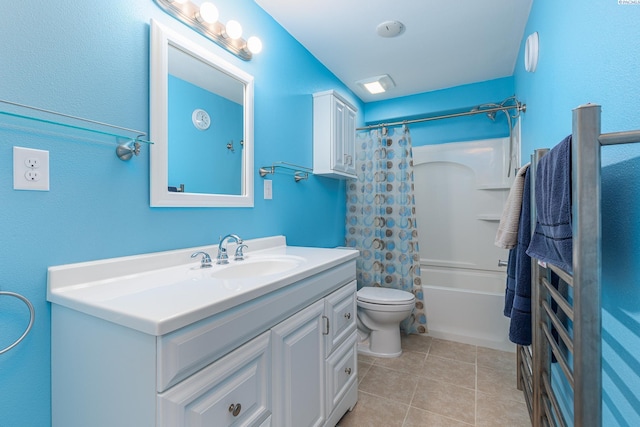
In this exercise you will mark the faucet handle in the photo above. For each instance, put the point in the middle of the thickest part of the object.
(239, 256)
(205, 262)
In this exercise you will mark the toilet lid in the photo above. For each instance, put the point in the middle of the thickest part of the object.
(377, 295)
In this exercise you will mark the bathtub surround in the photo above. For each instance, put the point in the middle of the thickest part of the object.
(461, 188)
(381, 219)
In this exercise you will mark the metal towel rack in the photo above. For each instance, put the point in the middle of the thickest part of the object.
(575, 353)
(299, 172)
(125, 150)
(32, 317)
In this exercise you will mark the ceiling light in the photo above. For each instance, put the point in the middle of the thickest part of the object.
(378, 84)
(390, 29)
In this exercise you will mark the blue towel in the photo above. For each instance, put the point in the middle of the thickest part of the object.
(552, 241)
(510, 291)
(518, 293)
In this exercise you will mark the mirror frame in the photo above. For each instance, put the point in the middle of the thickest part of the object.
(160, 39)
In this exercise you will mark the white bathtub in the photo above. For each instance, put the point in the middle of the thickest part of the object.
(460, 190)
(466, 306)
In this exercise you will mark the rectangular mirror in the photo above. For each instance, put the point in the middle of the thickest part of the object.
(201, 124)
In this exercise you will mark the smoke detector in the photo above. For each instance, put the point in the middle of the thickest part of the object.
(390, 29)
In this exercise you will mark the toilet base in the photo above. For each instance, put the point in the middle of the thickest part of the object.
(389, 348)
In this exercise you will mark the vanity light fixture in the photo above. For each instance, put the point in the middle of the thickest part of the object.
(205, 20)
(208, 13)
(254, 44)
(376, 85)
(233, 30)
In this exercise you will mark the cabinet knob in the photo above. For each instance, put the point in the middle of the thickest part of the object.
(347, 371)
(347, 316)
(235, 409)
(502, 263)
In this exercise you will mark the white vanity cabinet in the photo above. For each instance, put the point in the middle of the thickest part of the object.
(284, 358)
(334, 136)
(232, 391)
(316, 346)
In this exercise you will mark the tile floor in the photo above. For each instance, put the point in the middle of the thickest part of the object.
(438, 383)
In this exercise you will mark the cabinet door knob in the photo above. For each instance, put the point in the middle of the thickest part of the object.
(235, 409)
(347, 371)
(347, 316)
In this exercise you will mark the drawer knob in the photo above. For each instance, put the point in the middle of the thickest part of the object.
(347, 371)
(235, 409)
(347, 316)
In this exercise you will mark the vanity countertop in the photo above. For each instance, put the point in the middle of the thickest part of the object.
(160, 292)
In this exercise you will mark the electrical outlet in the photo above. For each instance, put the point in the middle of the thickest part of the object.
(30, 169)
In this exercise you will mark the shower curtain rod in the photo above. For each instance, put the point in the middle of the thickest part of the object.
(519, 106)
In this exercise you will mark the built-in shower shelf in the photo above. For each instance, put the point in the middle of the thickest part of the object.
(128, 140)
(488, 217)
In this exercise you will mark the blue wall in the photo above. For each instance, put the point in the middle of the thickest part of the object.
(91, 59)
(200, 159)
(589, 52)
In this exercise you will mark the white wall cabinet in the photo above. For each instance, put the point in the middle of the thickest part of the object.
(286, 359)
(334, 136)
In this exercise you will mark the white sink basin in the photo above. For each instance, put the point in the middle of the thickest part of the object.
(256, 267)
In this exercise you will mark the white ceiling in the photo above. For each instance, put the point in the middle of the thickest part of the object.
(446, 43)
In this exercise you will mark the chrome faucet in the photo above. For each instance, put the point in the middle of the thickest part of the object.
(222, 257)
(205, 262)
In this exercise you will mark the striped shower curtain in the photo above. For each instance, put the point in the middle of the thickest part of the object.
(381, 217)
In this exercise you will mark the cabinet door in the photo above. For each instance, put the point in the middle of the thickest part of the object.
(338, 147)
(349, 141)
(233, 391)
(340, 310)
(298, 369)
(342, 371)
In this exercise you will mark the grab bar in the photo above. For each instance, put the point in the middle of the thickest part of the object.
(32, 316)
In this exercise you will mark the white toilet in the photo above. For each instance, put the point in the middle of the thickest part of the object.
(380, 311)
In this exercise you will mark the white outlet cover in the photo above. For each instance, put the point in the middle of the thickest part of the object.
(30, 178)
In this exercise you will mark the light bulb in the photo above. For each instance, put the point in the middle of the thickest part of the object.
(179, 1)
(208, 13)
(254, 44)
(234, 29)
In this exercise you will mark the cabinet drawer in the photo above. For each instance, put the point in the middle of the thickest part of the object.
(340, 310)
(234, 391)
(341, 371)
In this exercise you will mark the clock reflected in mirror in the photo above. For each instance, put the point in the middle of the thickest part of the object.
(201, 119)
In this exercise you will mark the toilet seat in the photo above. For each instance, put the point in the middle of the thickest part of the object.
(384, 296)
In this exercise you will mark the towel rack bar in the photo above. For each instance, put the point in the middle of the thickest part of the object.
(566, 277)
(32, 316)
(555, 349)
(552, 398)
(125, 149)
(626, 137)
(558, 298)
(562, 331)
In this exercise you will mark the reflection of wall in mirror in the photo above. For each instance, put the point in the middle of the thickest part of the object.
(200, 159)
